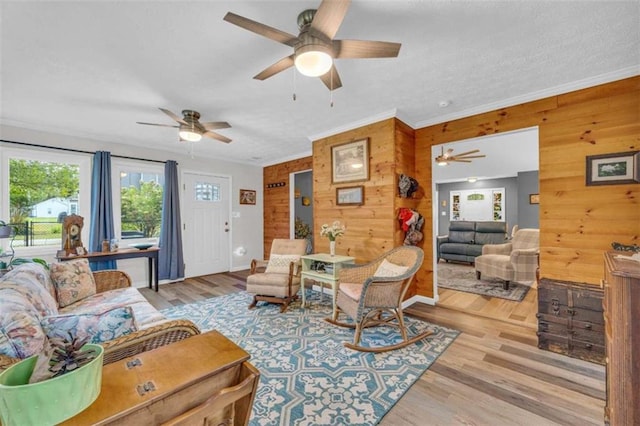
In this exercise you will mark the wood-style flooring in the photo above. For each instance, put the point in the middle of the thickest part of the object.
(492, 374)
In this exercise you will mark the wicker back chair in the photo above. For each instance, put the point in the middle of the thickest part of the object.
(371, 300)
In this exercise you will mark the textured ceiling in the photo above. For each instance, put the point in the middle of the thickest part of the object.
(93, 69)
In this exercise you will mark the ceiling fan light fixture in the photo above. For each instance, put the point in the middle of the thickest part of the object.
(313, 60)
(189, 133)
(472, 179)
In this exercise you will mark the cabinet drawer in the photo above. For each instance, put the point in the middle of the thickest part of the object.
(590, 299)
(553, 342)
(548, 293)
(587, 351)
(588, 336)
(587, 316)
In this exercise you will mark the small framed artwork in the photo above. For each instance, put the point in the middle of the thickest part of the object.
(350, 196)
(80, 251)
(534, 198)
(613, 169)
(350, 161)
(247, 196)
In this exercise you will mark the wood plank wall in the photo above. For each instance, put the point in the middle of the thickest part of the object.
(372, 228)
(276, 200)
(577, 222)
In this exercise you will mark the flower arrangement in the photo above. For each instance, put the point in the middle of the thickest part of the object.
(332, 232)
(302, 229)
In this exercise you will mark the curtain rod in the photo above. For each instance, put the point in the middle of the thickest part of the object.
(78, 150)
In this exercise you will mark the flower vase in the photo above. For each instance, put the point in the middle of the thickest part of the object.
(332, 248)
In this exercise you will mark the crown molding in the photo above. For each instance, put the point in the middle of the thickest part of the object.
(534, 96)
(355, 124)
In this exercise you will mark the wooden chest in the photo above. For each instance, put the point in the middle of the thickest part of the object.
(157, 386)
(570, 319)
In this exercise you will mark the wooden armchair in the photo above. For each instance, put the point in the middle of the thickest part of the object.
(278, 279)
(372, 295)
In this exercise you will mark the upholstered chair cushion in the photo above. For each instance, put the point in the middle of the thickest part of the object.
(73, 281)
(279, 263)
(388, 269)
(98, 327)
(273, 284)
(34, 273)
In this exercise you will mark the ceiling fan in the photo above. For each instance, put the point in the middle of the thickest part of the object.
(447, 157)
(314, 49)
(192, 130)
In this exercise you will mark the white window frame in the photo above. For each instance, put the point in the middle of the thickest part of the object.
(123, 165)
(47, 156)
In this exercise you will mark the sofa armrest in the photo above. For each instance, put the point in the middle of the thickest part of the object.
(111, 280)
(525, 256)
(504, 249)
(147, 339)
(440, 239)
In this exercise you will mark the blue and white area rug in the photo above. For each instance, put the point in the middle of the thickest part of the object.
(307, 377)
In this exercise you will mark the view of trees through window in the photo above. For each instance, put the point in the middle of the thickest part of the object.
(41, 194)
(140, 204)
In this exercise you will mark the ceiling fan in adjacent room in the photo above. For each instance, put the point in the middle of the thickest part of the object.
(447, 157)
(192, 130)
(314, 49)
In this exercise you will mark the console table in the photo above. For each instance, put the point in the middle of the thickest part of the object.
(323, 277)
(168, 383)
(98, 256)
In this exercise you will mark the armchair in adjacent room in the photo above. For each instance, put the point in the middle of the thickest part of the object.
(516, 260)
(277, 280)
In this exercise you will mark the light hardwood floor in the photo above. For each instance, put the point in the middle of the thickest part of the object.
(492, 374)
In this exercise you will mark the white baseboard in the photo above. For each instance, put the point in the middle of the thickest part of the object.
(240, 268)
(422, 299)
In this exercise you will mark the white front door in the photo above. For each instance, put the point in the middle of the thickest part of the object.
(206, 225)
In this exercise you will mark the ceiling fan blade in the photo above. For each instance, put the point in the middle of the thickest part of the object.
(279, 66)
(458, 160)
(469, 156)
(261, 29)
(212, 125)
(331, 79)
(173, 116)
(328, 17)
(467, 153)
(155, 124)
(350, 49)
(217, 136)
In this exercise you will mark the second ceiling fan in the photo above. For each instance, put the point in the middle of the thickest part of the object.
(447, 157)
(190, 127)
(314, 49)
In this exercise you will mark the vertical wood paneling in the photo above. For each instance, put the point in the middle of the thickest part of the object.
(577, 223)
(276, 200)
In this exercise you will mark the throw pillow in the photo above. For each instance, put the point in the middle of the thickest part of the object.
(100, 327)
(73, 281)
(388, 269)
(279, 263)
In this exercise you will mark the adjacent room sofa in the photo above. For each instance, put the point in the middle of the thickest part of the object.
(101, 305)
(466, 238)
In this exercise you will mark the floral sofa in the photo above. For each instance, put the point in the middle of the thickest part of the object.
(70, 300)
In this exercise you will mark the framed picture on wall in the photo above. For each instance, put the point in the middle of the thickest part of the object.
(534, 198)
(247, 196)
(613, 169)
(350, 196)
(350, 161)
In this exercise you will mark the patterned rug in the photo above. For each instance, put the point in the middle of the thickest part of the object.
(307, 377)
(461, 277)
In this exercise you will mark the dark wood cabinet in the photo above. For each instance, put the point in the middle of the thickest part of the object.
(570, 319)
(622, 325)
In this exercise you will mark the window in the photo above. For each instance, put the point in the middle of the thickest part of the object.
(140, 199)
(207, 192)
(39, 189)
